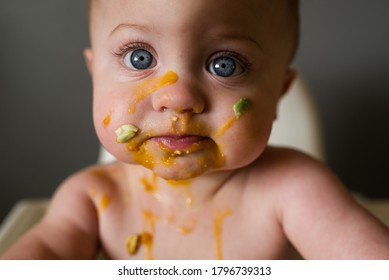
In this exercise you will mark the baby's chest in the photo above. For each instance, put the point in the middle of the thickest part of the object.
(217, 234)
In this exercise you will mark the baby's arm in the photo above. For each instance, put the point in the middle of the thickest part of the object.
(323, 222)
(69, 230)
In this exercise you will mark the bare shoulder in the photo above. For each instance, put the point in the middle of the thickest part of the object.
(70, 227)
(73, 213)
(78, 192)
(72, 216)
(315, 210)
(285, 170)
(297, 178)
(284, 177)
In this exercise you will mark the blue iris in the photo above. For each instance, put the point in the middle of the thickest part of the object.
(223, 66)
(139, 59)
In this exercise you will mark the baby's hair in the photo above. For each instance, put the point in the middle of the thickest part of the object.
(294, 6)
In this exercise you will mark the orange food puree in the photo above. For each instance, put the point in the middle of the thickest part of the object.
(218, 228)
(150, 186)
(187, 229)
(107, 120)
(147, 236)
(185, 184)
(144, 156)
(226, 126)
(239, 108)
(104, 202)
(149, 86)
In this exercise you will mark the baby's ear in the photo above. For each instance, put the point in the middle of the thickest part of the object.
(88, 56)
(290, 76)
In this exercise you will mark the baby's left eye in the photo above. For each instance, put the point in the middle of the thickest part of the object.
(225, 66)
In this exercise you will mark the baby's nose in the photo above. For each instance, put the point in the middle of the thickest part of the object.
(180, 97)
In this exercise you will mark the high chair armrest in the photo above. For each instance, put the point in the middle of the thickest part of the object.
(378, 207)
(23, 216)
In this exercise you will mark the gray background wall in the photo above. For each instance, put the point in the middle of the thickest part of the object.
(46, 130)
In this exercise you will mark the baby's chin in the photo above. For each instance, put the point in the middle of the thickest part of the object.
(186, 167)
(177, 174)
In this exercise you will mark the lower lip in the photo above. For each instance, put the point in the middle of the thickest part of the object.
(179, 143)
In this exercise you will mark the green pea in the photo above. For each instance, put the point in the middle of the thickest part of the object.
(241, 107)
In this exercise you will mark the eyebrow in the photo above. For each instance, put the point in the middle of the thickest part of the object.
(229, 36)
(238, 37)
(130, 26)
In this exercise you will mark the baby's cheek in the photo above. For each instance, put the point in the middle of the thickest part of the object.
(240, 152)
(107, 123)
(107, 120)
(245, 140)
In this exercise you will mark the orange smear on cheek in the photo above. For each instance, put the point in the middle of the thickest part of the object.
(239, 108)
(227, 125)
(151, 85)
(107, 120)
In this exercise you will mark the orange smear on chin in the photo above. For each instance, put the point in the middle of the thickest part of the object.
(146, 156)
(149, 86)
(142, 155)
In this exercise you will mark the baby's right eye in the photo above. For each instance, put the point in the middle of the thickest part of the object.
(139, 59)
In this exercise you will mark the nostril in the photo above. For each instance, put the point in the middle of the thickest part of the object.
(198, 109)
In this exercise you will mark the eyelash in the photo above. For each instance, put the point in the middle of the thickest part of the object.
(126, 48)
(245, 63)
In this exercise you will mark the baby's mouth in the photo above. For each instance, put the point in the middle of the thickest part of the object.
(179, 143)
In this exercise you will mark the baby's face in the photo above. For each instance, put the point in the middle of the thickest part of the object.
(188, 87)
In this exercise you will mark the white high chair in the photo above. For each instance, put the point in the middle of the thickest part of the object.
(297, 126)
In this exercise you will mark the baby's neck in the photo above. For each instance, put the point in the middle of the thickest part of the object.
(176, 193)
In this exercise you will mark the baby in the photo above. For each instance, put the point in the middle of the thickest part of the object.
(185, 94)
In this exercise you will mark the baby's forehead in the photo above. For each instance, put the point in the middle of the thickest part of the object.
(260, 8)
(266, 15)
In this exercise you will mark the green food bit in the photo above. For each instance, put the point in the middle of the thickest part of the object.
(241, 107)
(125, 133)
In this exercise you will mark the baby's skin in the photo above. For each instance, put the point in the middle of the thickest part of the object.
(185, 94)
